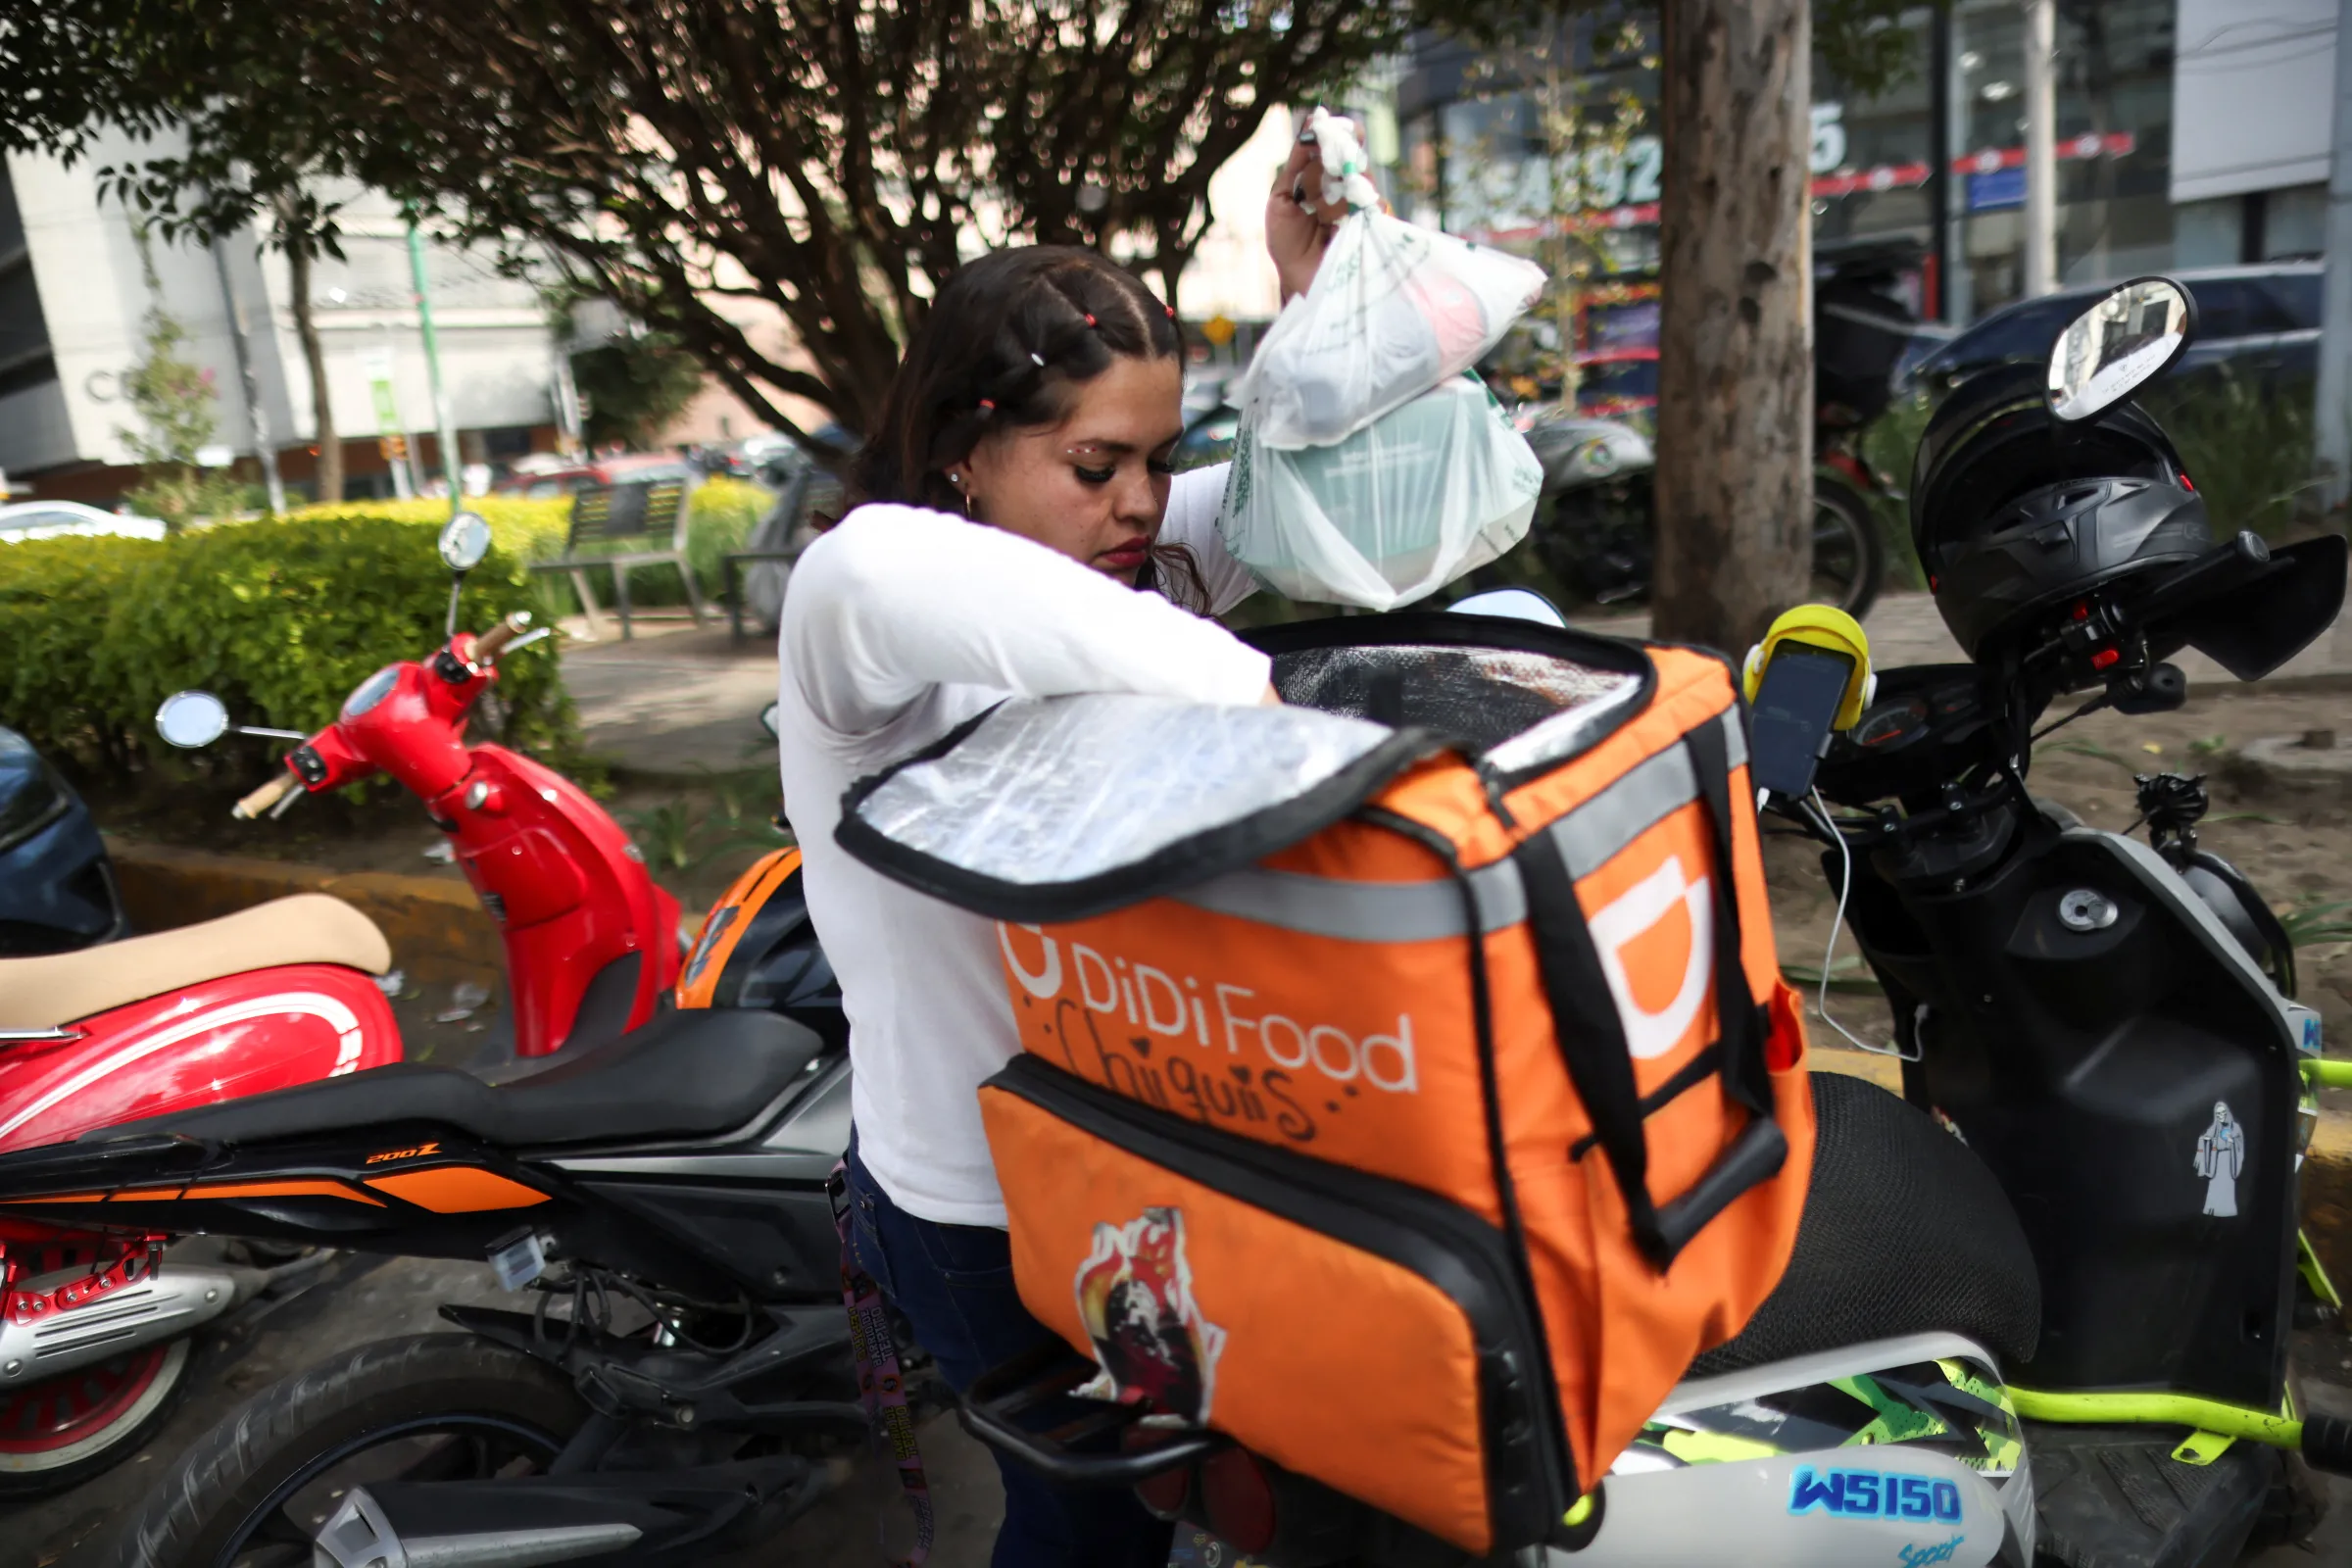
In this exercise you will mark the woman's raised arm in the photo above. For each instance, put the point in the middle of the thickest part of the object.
(896, 599)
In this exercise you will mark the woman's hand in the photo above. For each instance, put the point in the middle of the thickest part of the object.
(1298, 223)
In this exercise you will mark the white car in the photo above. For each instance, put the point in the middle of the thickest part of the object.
(51, 519)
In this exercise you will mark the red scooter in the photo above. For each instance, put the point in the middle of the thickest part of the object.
(280, 994)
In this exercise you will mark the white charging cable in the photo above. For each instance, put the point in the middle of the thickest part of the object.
(1829, 956)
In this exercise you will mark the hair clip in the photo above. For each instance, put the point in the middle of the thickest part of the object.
(1089, 320)
(1171, 310)
(987, 407)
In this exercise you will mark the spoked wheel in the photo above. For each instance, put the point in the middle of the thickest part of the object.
(253, 1491)
(1849, 560)
(62, 1431)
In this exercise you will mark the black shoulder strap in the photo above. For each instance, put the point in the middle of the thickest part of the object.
(1745, 1076)
(1592, 1033)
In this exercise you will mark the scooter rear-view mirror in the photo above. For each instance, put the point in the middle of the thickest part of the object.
(2121, 344)
(465, 540)
(191, 719)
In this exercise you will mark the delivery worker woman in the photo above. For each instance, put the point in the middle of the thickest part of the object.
(1019, 533)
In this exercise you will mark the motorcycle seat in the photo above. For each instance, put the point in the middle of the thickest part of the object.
(687, 1073)
(56, 989)
(1904, 1231)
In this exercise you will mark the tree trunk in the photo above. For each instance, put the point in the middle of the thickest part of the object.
(1734, 478)
(329, 479)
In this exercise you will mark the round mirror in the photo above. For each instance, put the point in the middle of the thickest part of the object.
(767, 718)
(189, 719)
(465, 540)
(1510, 604)
(2119, 345)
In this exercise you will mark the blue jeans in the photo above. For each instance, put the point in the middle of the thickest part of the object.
(954, 1283)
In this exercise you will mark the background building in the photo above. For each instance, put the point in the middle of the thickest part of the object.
(74, 303)
(2189, 133)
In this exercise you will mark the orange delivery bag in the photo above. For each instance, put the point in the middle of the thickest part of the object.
(1409, 1092)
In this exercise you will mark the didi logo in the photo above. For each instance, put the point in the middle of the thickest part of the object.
(1636, 930)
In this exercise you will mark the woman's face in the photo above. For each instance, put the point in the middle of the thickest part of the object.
(1095, 485)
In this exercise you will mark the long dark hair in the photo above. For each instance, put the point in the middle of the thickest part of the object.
(1001, 348)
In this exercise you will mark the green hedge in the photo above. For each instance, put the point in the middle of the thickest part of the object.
(282, 619)
(527, 530)
(720, 515)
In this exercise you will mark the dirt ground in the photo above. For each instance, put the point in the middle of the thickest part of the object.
(697, 834)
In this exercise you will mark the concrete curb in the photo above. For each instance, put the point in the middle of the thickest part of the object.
(439, 934)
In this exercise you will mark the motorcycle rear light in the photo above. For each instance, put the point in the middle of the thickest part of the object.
(1165, 1494)
(1237, 1500)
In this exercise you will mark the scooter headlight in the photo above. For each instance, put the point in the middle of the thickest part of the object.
(371, 691)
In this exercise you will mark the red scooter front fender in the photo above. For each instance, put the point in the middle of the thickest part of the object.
(569, 891)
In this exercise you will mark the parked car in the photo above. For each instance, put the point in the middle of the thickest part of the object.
(634, 468)
(2261, 323)
(52, 520)
(1208, 439)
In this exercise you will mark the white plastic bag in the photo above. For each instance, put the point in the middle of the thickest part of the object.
(1393, 311)
(1428, 492)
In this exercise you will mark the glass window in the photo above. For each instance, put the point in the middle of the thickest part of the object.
(2209, 233)
(2294, 224)
(2297, 297)
(2228, 307)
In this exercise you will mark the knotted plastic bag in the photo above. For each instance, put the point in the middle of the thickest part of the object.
(1427, 492)
(1393, 311)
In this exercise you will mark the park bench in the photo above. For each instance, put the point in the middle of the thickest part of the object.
(605, 521)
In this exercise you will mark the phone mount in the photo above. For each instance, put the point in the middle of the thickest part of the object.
(1821, 626)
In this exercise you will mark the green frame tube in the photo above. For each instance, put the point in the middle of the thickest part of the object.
(2275, 1428)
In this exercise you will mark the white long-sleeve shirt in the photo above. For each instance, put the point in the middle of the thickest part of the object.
(900, 624)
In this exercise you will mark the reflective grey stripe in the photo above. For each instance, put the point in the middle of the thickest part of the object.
(1427, 912)
(1653, 790)
(1363, 911)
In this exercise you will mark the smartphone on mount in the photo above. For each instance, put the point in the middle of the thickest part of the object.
(1791, 717)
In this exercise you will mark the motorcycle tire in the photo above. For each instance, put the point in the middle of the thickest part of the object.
(117, 1404)
(1845, 532)
(249, 1482)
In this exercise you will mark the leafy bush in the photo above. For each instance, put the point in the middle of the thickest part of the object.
(59, 680)
(279, 618)
(720, 515)
(2247, 446)
(525, 528)
(1888, 446)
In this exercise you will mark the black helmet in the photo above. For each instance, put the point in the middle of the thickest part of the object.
(2014, 511)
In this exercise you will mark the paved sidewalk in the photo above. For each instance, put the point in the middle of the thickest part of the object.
(678, 701)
